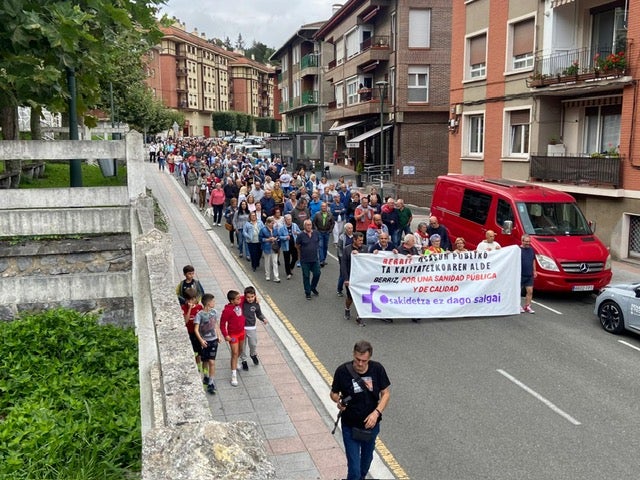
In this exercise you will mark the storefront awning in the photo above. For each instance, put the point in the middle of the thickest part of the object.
(559, 3)
(337, 127)
(355, 141)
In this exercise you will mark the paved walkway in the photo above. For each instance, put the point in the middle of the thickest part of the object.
(291, 410)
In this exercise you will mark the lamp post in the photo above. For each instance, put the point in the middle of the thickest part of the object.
(382, 87)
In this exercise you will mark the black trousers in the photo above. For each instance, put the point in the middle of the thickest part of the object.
(290, 259)
(255, 252)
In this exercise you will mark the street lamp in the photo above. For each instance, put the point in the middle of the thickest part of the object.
(382, 87)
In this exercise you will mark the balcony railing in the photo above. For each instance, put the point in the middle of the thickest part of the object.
(377, 41)
(577, 170)
(578, 65)
(310, 97)
(309, 60)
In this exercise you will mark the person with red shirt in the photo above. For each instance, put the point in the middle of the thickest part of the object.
(232, 324)
(190, 309)
(216, 200)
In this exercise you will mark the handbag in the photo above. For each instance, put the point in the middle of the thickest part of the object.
(361, 434)
(229, 227)
(275, 247)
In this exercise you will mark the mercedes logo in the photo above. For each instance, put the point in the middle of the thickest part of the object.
(584, 268)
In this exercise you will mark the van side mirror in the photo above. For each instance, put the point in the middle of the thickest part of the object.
(592, 225)
(507, 227)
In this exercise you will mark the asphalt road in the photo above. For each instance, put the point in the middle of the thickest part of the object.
(543, 396)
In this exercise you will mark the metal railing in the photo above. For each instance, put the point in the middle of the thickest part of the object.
(377, 41)
(577, 169)
(578, 64)
(309, 60)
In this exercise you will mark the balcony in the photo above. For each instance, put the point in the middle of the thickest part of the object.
(310, 97)
(372, 51)
(182, 72)
(577, 170)
(581, 65)
(308, 61)
(366, 102)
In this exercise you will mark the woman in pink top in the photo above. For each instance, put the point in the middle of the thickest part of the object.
(216, 200)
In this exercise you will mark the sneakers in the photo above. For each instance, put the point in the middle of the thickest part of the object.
(347, 314)
(245, 366)
(315, 292)
(360, 322)
(521, 309)
(340, 294)
(205, 380)
(289, 277)
(211, 389)
(234, 380)
(528, 309)
(308, 297)
(277, 280)
(255, 359)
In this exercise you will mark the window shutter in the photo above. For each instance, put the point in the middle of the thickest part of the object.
(477, 49)
(519, 117)
(523, 37)
(419, 28)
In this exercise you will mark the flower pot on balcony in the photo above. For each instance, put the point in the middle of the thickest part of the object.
(556, 150)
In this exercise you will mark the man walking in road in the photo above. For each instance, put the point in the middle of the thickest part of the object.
(354, 248)
(361, 389)
(308, 243)
(528, 272)
(324, 222)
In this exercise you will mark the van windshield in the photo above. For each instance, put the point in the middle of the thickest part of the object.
(552, 219)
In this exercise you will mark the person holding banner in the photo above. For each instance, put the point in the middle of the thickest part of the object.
(528, 272)
(382, 245)
(345, 271)
(489, 243)
(435, 245)
(408, 247)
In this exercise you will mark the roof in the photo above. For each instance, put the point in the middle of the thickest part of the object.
(309, 27)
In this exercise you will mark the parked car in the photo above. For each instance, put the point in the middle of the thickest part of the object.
(618, 308)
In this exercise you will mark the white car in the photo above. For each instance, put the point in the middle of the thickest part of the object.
(618, 307)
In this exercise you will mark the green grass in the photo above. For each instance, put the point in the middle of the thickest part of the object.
(56, 175)
(69, 399)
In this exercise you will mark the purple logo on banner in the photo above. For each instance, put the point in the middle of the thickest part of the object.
(368, 298)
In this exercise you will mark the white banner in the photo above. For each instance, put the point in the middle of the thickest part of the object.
(467, 284)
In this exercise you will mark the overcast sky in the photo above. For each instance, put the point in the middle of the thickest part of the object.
(271, 22)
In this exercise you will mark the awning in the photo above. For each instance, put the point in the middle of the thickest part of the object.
(355, 141)
(559, 3)
(336, 127)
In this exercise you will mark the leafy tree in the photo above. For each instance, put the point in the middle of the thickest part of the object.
(43, 42)
(265, 125)
(260, 52)
(227, 44)
(224, 121)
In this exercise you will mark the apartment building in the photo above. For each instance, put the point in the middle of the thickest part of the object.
(388, 69)
(302, 94)
(546, 91)
(198, 78)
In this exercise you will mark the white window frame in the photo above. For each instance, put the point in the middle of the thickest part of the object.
(419, 28)
(296, 88)
(524, 62)
(340, 51)
(351, 91)
(352, 43)
(471, 148)
(339, 93)
(415, 73)
(477, 71)
(295, 53)
(284, 62)
(509, 134)
(394, 29)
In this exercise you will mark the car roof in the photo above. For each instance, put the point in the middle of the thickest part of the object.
(518, 190)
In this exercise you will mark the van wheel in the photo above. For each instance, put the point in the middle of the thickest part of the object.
(611, 317)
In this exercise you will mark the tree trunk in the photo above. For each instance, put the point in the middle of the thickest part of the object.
(36, 129)
(10, 131)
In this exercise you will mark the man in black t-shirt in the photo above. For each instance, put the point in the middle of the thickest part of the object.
(528, 272)
(361, 394)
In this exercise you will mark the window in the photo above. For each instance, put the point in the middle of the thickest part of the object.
(503, 212)
(393, 31)
(285, 62)
(519, 135)
(352, 44)
(475, 206)
(602, 128)
(296, 55)
(475, 134)
(340, 52)
(419, 28)
(352, 91)
(477, 50)
(339, 90)
(418, 84)
(522, 44)
(391, 92)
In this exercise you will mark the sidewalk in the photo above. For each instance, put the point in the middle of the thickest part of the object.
(285, 395)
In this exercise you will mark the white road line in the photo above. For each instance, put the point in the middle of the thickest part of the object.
(629, 345)
(535, 394)
(557, 312)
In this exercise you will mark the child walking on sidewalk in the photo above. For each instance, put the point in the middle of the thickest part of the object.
(206, 323)
(232, 327)
(251, 311)
(190, 309)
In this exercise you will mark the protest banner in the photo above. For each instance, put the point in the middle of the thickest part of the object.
(465, 284)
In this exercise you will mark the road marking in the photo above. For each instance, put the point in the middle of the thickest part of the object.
(629, 345)
(536, 395)
(548, 308)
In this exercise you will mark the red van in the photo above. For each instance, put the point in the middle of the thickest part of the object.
(569, 256)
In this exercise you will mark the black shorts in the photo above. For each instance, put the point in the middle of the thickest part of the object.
(210, 351)
(195, 343)
(526, 281)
